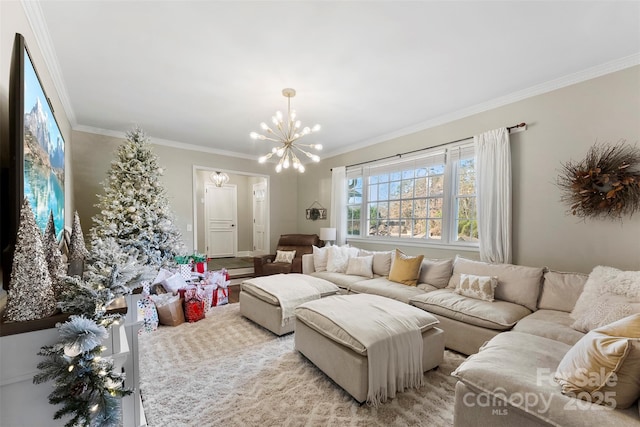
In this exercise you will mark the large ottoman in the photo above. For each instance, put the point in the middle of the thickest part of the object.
(270, 300)
(328, 338)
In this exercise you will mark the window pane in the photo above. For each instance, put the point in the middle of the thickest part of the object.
(436, 170)
(383, 177)
(373, 179)
(420, 208)
(435, 229)
(407, 188)
(466, 177)
(373, 193)
(407, 209)
(436, 185)
(355, 191)
(420, 187)
(467, 230)
(421, 172)
(435, 208)
(419, 228)
(395, 176)
(394, 190)
(467, 207)
(383, 210)
(394, 227)
(394, 210)
(407, 174)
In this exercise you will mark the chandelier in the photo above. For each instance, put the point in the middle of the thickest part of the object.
(287, 135)
(219, 178)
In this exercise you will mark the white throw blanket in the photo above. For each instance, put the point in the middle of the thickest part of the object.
(291, 290)
(389, 330)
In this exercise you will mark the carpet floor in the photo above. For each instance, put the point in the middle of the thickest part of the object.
(227, 371)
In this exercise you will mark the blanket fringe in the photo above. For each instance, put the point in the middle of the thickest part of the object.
(410, 380)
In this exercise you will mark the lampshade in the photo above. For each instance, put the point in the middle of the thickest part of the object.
(327, 234)
(219, 178)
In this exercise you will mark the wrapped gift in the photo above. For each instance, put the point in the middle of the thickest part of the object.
(220, 296)
(149, 315)
(199, 263)
(207, 292)
(169, 307)
(194, 305)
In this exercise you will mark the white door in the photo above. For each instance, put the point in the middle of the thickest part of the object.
(220, 220)
(260, 207)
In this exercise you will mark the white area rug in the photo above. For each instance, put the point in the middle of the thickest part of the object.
(225, 370)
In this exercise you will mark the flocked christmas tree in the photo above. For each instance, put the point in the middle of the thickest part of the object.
(57, 267)
(77, 250)
(134, 209)
(31, 293)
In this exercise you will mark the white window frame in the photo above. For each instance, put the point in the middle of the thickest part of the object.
(450, 194)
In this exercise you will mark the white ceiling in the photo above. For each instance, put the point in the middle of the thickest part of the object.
(207, 73)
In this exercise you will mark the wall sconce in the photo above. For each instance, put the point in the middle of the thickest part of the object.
(219, 178)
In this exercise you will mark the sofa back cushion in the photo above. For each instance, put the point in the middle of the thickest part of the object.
(301, 243)
(436, 272)
(516, 283)
(381, 261)
(560, 291)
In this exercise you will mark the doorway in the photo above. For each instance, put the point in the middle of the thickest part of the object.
(249, 212)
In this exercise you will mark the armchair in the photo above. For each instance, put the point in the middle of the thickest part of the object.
(301, 243)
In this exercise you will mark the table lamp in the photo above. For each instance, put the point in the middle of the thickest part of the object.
(328, 235)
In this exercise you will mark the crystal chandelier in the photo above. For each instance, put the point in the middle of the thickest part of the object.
(287, 134)
(219, 178)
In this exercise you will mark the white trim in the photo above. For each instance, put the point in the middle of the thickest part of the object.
(34, 14)
(551, 85)
(414, 243)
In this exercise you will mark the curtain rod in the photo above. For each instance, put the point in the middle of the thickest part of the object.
(509, 128)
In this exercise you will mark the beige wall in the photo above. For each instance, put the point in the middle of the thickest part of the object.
(563, 124)
(92, 155)
(13, 20)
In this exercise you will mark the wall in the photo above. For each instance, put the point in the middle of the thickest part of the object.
(92, 155)
(563, 124)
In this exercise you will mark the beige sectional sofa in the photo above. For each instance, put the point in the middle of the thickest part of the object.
(516, 341)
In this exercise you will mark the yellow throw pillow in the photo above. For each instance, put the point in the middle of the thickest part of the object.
(405, 268)
(604, 366)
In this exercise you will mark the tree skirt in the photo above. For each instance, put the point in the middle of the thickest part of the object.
(226, 370)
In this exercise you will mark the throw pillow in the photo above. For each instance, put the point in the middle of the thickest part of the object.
(338, 258)
(604, 366)
(478, 287)
(320, 257)
(381, 261)
(405, 269)
(609, 295)
(360, 266)
(436, 272)
(285, 256)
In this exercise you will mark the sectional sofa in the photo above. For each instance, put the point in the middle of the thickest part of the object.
(516, 341)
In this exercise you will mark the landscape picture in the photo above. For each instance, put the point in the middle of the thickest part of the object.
(43, 153)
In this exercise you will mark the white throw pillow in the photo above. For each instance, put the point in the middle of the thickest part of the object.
(361, 266)
(381, 261)
(320, 258)
(479, 287)
(338, 258)
(285, 256)
(609, 295)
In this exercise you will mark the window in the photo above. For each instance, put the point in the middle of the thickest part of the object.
(429, 197)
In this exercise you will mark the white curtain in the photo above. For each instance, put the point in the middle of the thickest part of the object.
(338, 215)
(493, 190)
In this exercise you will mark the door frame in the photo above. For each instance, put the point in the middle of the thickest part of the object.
(194, 199)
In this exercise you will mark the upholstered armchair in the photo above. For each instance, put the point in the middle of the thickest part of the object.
(301, 243)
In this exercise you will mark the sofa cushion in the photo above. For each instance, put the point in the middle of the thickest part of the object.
(609, 295)
(436, 272)
(386, 288)
(339, 279)
(517, 284)
(320, 258)
(405, 269)
(381, 261)
(560, 290)
(604, 366)
(479, 287)
(552, 324)
(497, 315)
(360, 266)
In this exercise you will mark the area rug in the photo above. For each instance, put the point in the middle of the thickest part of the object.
(226, 371)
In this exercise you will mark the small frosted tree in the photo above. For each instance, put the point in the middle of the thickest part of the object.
(77, 250)
(31, 293)
(134, 209)
(57, 267)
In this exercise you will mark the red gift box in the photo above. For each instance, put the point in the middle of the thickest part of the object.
(193, 310)
(220, 296)
(199, 267)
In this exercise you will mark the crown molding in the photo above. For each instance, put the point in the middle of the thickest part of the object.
(34, 14)
(164, 142)
(551, 85)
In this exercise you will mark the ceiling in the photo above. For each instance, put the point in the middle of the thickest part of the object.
(206, 73)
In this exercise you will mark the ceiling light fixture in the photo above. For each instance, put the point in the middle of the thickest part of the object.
(288, 135)
(219, 178)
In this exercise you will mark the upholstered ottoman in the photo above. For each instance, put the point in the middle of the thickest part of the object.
(270, 300)
(371, 346)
